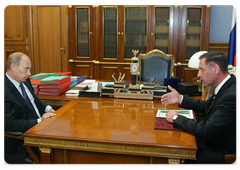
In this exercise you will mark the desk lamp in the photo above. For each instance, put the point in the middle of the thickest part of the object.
(194, 60)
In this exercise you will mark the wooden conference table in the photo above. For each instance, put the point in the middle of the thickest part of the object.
(108, 130)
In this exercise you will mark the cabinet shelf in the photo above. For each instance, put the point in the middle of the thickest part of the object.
(135, 33)
(161, 29)
(110, 32)
(194, 30)
(110, 19)
(140, 46)
(107, 45)
(137, 20)
(82, 44)
(161, 42)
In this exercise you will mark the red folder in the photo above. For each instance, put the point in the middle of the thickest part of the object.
(46, 86)
(64, 73)
(35, 82)
(35, 85)
(163, 124)
(54, 93)
(59, 88)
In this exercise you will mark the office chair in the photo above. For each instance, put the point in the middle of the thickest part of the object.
(156, 64)
(18, 136)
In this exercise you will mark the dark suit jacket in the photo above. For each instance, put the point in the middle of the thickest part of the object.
(218, 131)
(18, 117)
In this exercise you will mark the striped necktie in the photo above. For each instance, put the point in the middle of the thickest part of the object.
(25, 96)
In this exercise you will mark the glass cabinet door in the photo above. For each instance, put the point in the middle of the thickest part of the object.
(162, 15)
(82, 27)
(135, 30)
(193, 31)
(110, 28)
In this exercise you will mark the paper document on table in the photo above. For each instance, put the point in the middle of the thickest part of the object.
(89, 81)
(72, 93)
(86, 82)
(94, 88)
(186, 113)
(104, 83)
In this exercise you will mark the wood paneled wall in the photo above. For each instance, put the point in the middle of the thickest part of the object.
(17, 31)
(215, 46)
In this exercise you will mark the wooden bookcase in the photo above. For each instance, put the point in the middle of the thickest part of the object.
(97, 40)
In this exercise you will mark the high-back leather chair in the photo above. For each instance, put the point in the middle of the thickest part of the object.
(156, 64)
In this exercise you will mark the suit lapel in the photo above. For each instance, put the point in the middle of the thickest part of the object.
(220, 93)
(15, 91)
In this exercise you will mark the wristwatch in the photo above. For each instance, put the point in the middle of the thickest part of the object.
(175, 117)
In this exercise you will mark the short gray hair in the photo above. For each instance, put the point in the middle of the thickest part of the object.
(216, 57)
(14, 58)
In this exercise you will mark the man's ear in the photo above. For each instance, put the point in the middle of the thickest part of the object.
(216, 68)
(13, 66)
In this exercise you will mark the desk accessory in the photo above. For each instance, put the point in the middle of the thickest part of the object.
(172, 81)
(135, 90)
(188, 89)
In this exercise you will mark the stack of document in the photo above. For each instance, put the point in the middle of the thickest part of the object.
(87, 82)
(72, 92)
(186, 113)
(90, 88)
(54, 85)
(43, 75)
(75, 80)
(35, 85)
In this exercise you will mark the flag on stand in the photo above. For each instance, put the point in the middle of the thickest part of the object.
(232, 41)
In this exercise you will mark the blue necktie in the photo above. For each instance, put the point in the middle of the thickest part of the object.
(213, 97)
(27, 100)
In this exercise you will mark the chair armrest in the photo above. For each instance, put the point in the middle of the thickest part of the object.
(230, 158)
(13, 134)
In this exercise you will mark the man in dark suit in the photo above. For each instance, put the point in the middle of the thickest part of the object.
(216, 136)
(22, 108)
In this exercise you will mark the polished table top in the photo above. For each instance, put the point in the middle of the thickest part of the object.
(116, 122)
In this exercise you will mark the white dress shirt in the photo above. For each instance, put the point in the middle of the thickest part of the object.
(221, 84)
(30, 96)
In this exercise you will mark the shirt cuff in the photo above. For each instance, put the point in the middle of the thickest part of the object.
(181, 100)
(39, 120)
(48, 108)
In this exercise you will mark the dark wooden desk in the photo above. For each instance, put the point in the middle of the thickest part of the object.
(108, 131)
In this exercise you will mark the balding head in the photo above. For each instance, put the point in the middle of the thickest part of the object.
(14, 58)
(18, 66)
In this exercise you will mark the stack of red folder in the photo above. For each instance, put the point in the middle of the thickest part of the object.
(35, 85)
(54, 85)
(65, 73)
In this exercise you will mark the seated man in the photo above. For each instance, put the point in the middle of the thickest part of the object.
(216, 136)
(22, 108)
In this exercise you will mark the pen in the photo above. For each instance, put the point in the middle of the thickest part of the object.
(114, 78)
(122, 77)
(153, 80)
(119, 77)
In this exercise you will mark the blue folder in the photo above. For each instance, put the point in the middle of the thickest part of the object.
(173, 82)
